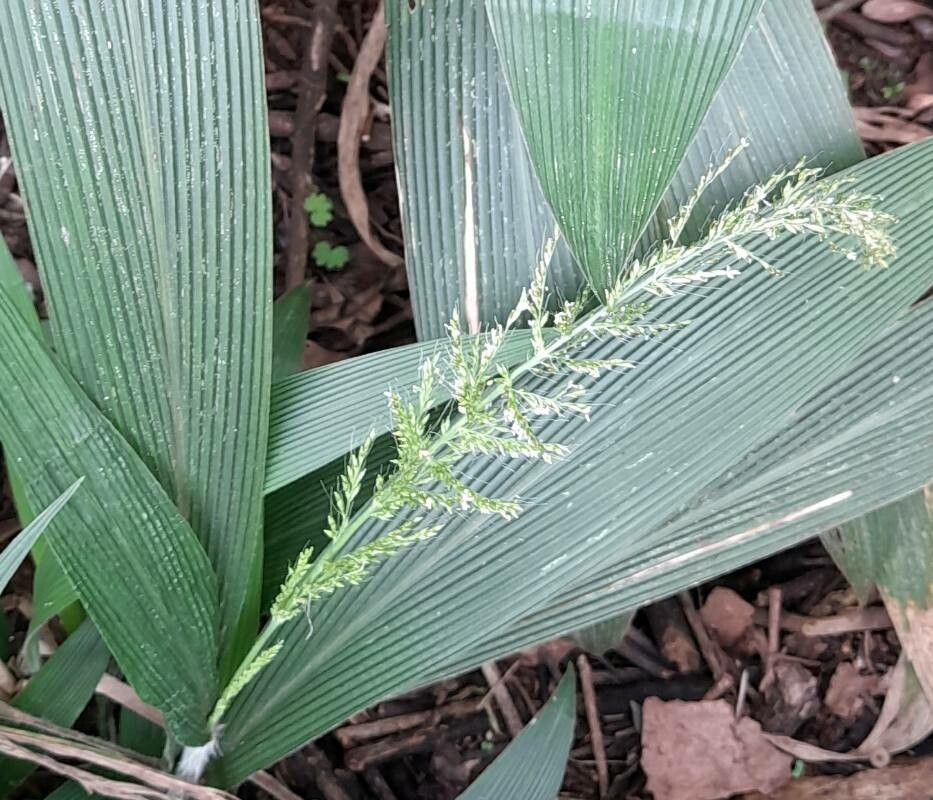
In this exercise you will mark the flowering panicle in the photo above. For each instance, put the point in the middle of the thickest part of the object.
(492, 410)
(494, 413)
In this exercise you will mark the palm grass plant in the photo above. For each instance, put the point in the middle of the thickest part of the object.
(677, 297)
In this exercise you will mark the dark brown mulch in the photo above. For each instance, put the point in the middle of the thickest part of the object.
(716, 642)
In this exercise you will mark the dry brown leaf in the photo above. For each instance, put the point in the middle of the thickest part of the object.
(910, 780)
(791, 698)
(848, 690)
(698, 751)
(919, 102)
(921, 80)
(914, 627)
(893, 12)
(906, 718)
(727, 615)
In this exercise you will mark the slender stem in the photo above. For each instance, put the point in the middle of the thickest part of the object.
(365, 513)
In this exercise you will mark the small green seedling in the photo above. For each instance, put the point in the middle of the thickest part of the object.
(330, 257)
(320, 209)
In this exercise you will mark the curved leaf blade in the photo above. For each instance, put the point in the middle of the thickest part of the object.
(605, 152)
(862, 442)
(425, 606)
(892, 548)
(60, 690)
(781, 94)
(458, 147)
(155, 603)
(532, 766)
(139, 134)
(16, 551)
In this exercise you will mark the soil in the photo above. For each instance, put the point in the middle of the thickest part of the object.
(738, 642)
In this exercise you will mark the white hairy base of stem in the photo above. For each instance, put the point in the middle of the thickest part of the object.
(194, 760)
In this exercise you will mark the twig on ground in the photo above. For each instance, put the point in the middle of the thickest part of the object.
(498, 690)
(378, 784)
(873, 618)
(870, 29)
(272, 786)
(361, 732)
(592, 720)
(424, 740)
(323, 774)
(352, 120)
(46, 750)
(123, 694)
(640, 650)
(909, 780)
(311, 96)
(669, 626)
(836, 8)
(774, 635)
(713, 654)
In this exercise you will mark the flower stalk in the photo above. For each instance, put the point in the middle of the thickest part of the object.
(494, 413)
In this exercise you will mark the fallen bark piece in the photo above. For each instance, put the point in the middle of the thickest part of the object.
(909, 780)
(848, 690)
(727, 615)
(791, 698)
(672, 633)
(698, 751)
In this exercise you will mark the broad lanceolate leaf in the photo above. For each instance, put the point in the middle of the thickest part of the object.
(52, 593)
(756, 349)
(60, 690)
(296, 514)
(610, 93)
(892, 548)
(445, 79)
(17, 550)
(605, 635)
(863, 441)
(458, 147)
(532, 766)
(139, 570)
(138, 130)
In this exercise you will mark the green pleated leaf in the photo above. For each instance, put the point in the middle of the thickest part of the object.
(532, 766)
(787, 113)
(138, 733)
(296, 515)
(782, 94)
(609, 94)
(756, 349)
(603, 636)
(290, 320)
(139, 135)
(60, 690)
(135, 563)
(458, 147)
(861, 442)
(785, 96)
(16, 551)
(892, 548)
